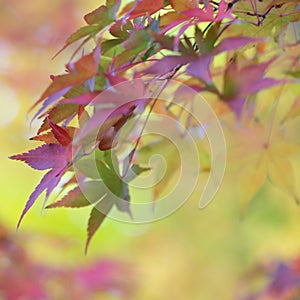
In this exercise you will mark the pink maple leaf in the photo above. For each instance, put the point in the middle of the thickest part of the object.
(49, 156)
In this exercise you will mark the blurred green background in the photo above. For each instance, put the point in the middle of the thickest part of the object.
(192, 254)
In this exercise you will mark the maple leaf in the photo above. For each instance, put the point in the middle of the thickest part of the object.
(194, 16)
(60, 133)
(100, 15)
(121, 31)
(116, 192)
(141, 8)
(167, 42)
(97, 216)
(49, 137)
(84, 195)
(118, 187)
(113, 107)
(102, 195)
(251, 178)
(97, 20)
(107, 139)
(49, 156)
(199, 66)
(83, 116)
(167, 64)
(83, 99)
(107, 165)
(240, 82)
(86, 31)
(36, 158)
(179, 5)
(258, 162)
(79, 72)
(170, 153)
(57, 114)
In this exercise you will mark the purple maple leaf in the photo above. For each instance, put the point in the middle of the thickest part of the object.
(48, 156)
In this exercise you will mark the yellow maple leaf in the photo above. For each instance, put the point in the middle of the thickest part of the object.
(279, 168)
(256, 161)
(251, 178)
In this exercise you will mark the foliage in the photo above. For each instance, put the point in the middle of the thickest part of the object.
(243, 56)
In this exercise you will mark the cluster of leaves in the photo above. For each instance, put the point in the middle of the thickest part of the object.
(222, 49)
(21, 277)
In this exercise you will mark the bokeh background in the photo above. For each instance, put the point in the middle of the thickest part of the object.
(192, 254)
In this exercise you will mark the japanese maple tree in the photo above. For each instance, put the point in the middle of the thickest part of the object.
(241, 56)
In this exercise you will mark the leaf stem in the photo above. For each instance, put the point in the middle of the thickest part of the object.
(132, 152)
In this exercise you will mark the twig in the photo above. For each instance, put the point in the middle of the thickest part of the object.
(132, 152)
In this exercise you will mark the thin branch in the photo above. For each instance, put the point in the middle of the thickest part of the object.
(132, 152)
